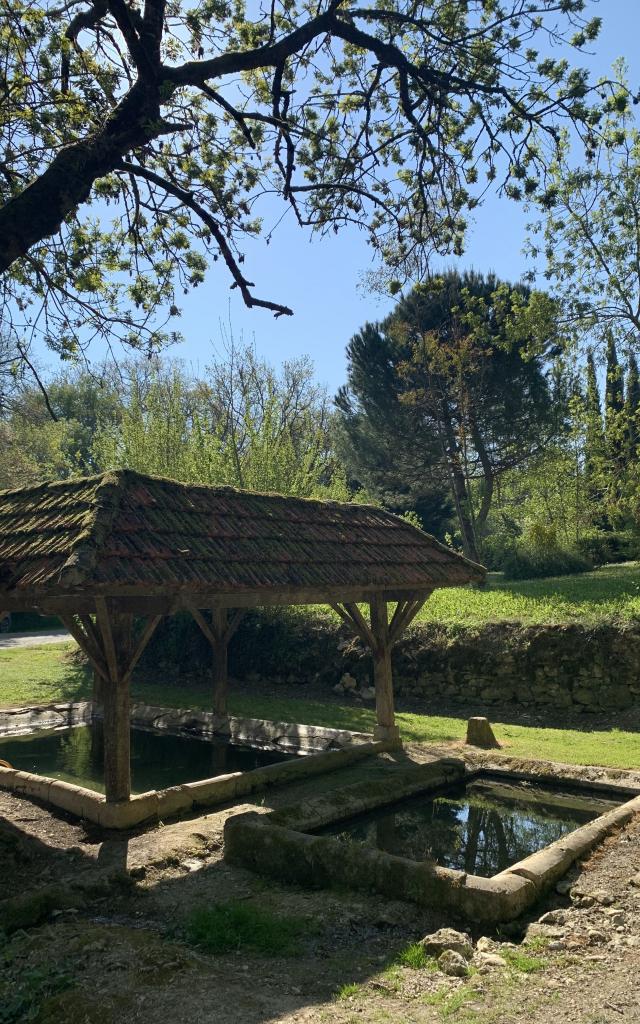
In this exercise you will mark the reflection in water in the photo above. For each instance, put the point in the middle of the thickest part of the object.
(157, 759)
(480, 828)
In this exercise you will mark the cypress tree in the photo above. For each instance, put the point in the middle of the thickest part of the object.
(631, 409)
(594, 435)
(614, 406)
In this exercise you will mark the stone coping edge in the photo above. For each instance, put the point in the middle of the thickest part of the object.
(18, 721)
(278, 844)
(165, 803)
(257, 731)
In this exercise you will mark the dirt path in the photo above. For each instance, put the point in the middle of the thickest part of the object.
(38, 638)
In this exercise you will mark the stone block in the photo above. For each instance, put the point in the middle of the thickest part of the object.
(173, 801)
(207, 792)
(129, 813)
(28, 784)
(75, 799)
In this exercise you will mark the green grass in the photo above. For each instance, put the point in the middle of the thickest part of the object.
(231, 927)
(45, 674)
(39, 675)
(414, 956)
(612, 592)
(522, 962)
(349, 991)
(449, 1003)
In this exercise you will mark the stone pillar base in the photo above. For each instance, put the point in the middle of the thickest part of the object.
(388, 734)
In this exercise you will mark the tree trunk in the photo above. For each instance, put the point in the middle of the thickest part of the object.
(458, 483)
(488, 478)
(386, 728)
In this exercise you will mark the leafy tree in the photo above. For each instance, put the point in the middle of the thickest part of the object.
(589, 234)
(11, 373)
(138, 139)
(385, 448)
(614, 386)
(462, 360)
(241, 425)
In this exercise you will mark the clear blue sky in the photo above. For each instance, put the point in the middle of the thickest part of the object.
(319, 278)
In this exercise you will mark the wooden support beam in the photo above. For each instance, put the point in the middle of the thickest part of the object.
(93, 653)
(145, 637)
(397, 616)
(351, 614)
(401, 621)
(220, 661)
(116, 630)
(359, 619)
(108, 644)
(386, 728)
(90, 629)
(219, 633)
(204, 625)
(234, 622)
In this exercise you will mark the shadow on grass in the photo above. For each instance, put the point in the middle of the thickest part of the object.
(601, 587)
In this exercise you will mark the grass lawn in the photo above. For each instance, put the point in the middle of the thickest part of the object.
(612, 592)
(43, 674)
(39, 675)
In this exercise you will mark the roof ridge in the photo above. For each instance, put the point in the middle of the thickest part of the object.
(79, 566)
(232, 489)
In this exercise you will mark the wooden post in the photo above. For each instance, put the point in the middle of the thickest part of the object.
(386, 728)
(219, 633)
(116, 638)
(97, 695)
(220, 662)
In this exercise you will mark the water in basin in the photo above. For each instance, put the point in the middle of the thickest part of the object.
(158, 760)
(482, 827)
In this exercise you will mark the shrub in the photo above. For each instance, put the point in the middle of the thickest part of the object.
(414, 956)
(276, 643)
(606, 546)
(532, 563)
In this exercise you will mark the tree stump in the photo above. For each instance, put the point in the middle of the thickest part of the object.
(480, 734)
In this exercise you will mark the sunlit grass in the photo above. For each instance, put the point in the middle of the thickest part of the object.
(40, 675)
(612, 592)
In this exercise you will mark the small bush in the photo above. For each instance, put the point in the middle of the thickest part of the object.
(520, 961)
(604, 547)
(229, 927)
(533, 563)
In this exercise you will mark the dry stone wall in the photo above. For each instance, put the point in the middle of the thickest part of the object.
(572, 667)
(568, 667)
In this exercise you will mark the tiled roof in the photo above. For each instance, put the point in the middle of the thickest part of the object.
(146, 534)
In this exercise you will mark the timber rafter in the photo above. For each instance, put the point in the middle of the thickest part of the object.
(404, 614)
(98, 641)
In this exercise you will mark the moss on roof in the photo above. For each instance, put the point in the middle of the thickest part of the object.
(126, 530)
